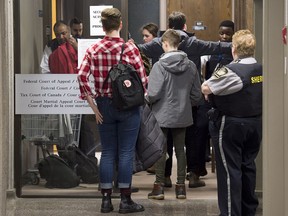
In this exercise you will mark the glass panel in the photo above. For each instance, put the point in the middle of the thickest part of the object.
(58, 133)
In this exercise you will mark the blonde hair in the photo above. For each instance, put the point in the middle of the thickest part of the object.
(244, 43)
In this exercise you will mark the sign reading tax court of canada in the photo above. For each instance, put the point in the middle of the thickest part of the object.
(49, 94)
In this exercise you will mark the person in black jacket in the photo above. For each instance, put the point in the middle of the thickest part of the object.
(235, 91)
(199, 156)
(193, 47)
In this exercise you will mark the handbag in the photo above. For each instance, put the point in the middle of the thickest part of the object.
(150, 143)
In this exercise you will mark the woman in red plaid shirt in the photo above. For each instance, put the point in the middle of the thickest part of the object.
(118, 129)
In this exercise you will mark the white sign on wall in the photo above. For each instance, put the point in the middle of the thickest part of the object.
(49, 94)
(83, 45)
(95, 20)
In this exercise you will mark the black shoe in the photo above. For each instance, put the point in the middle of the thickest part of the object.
(203, 172)
(194, 181)
(106, 205)
(134, 189)
(127, 205)
(208, 159)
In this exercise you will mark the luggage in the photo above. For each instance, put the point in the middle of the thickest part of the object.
(85, 166)
(57, 173)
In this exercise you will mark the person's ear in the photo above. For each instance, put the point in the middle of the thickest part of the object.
(185, 27)
(121, 25)
(234, 53)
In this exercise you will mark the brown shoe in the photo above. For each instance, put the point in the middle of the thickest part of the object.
(157, 192)
(180, 191)
(194, 181)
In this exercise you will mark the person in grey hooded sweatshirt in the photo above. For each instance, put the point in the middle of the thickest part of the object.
(173, 88)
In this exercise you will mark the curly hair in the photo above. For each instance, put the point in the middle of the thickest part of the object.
(244, 43)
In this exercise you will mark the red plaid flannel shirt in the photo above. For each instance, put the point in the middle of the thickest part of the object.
(98, 60)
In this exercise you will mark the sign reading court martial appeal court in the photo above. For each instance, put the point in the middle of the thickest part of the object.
(49, 94)
(95, 20)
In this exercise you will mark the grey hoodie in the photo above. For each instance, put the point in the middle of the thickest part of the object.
(173, 88)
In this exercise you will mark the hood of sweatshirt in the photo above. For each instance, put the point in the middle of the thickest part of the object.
(174, 62)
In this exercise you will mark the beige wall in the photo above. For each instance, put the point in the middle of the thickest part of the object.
(31, 31)
(275, 184)
(275, 136)
(7, 106)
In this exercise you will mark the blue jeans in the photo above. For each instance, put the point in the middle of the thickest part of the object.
(118, 133)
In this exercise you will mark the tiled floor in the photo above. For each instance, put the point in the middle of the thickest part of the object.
(145, 181)
(142, 180)
(200, 201)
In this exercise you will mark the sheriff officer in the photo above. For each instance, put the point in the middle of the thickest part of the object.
(235, 92)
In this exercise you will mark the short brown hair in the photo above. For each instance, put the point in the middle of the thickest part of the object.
(172, 37)
(176, 20)
(111, 19)
(244, 43)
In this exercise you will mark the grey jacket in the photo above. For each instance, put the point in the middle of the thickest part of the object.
(173, 88)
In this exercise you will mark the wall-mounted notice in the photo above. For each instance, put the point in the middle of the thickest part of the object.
(83, 45)
(49, 94)
(95, 20)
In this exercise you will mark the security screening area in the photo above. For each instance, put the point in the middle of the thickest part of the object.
(44, 121)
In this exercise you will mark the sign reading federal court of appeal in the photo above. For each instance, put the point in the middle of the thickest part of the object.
(49, 94)
(95, 20)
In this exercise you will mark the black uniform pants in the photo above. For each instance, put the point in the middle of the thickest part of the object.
(237, 143)
(197, 137)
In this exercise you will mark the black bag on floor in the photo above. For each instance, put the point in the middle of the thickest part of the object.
(85, 166)
(57, 173)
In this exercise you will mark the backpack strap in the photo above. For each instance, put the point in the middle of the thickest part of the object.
(122, 50)
(120, 62)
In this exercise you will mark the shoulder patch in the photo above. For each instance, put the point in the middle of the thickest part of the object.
(219, 72)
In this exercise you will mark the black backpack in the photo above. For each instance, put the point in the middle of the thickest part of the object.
(57, 173)
(85, 166)
(127, 87)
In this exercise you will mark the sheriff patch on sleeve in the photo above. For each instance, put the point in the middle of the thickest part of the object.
(220, 72)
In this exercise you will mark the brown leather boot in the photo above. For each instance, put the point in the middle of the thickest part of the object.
(194, 181)
(180, 191)
(157, 192)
